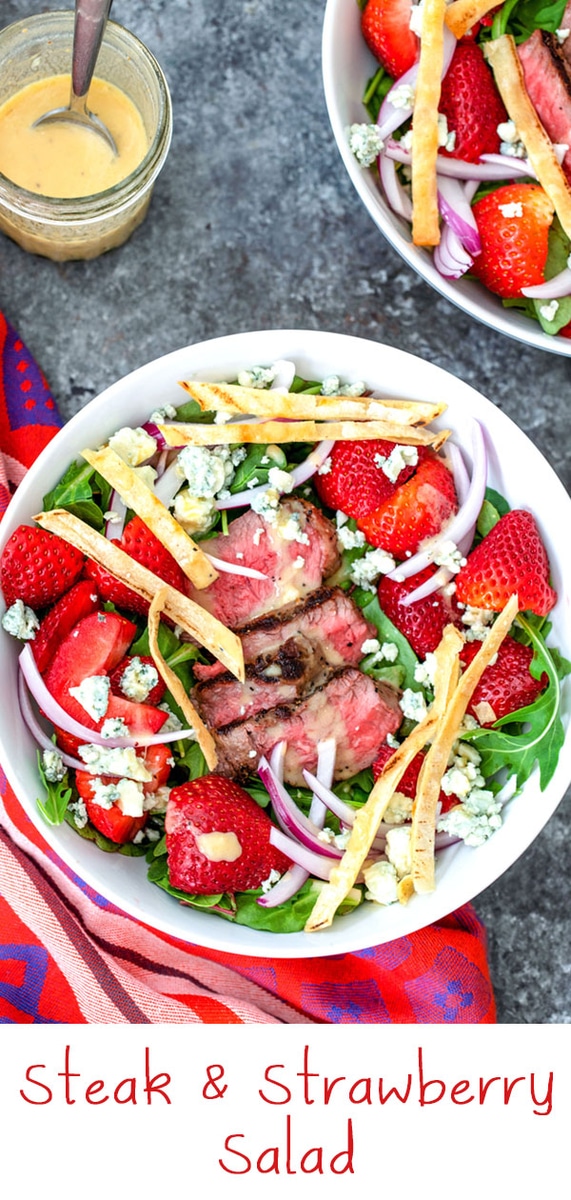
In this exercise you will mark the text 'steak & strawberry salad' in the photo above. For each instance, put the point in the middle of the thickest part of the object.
(471, 135)
(283, 642)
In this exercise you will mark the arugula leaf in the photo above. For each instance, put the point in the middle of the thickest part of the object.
(192, 760)
(191, 411)
(541, 735)
(387, 632)
(58, 796)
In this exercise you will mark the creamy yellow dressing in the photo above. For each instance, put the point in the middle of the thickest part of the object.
(62, 159)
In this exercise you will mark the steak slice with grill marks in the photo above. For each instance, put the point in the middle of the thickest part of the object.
(547, 76)
(327, 617)
(296, 668)
(295, 554)
(350, 706)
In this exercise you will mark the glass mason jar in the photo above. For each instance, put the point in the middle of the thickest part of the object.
(40, 47)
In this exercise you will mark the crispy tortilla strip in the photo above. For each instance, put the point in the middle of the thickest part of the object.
(369, 817)
(136, 495)
(502, 56)
(203, 735)
(425, 223)
(199, 623)
(462, 14)
(259, 402)
(436, 761)
(300, 431)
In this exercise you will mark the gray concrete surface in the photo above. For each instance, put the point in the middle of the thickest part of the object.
(254, 224)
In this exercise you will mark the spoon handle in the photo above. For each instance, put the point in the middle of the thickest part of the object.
(90, 20)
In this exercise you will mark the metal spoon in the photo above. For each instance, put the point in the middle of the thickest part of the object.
(90, 21)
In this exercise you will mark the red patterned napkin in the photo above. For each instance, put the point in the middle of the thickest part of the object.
(69, 956)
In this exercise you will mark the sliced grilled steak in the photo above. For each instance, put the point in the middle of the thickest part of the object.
(296, 554)
(350, 707)
(293, 671)
(547, 76)
(327, 617)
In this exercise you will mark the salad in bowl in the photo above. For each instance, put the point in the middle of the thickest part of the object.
(454, 122)
(286, 643)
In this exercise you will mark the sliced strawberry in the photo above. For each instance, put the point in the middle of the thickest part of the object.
(218, 838)
(157, 692)
(113, 590)
(140, 719)
(409, 781)
(471, 103)
(418, 509)
(145, 548)
(423, 622)
(386, 28)
(79, 602)
(158, 760)
(507, 684)
(510, 559)
(38, 567)
(514, 223)
(356, 483)
(111, 822)
(94, 647)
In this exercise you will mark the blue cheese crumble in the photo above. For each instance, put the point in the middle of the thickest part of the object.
(205, 470)
(331, 385)
(138, 680)
(93, 695)
(134, 446)
(257, 377)
(475, 820)
(394, 463)
(366, 144)
(381, 881)
(53, 765)
(368, 568)
(103, 760)
(413, 705)
(114, 727)
(20, 621)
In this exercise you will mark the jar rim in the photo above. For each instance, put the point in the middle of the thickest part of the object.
(56, 209)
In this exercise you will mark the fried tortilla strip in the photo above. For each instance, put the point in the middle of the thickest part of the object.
(436, 761)
(369, 817)
(259, 402)
(425, 223)
(136, 495)
(502, 56)
(300, 431)
(203, 735)
(405, 889)
(462, 14)
(199, 623)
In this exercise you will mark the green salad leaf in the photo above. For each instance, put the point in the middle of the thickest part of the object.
(83, 492)
(533, 734)
(522, 17)
(387, 632)
(58, 795)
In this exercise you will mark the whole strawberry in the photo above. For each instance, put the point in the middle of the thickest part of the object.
(218, 838)
(510, 559)
(38, 567)
(423, 622)
(507, 684)
(471, 103)
(386, 29)
(514, 223)
(417, 510)
(355, 482)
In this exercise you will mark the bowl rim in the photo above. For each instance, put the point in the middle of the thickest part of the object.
(387, 222)
(221, 935)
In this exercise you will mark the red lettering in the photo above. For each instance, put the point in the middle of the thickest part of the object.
(429, 1083)
(131, 1097)
(153, 1085)
(329, 1085)
(67, 1075)
(353, 1093)
(548, 1102)
(485, 1085)
(394, 1092)
(238, 1154)
(318, 1151)
(344, 1154)
(306, 1075)
(509, 1087)
(274, 1162)
(462, 1086)
(36, 1083)
(92, 1088)
(276, 1083)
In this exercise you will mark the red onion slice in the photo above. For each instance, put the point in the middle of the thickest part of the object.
(114, 528)
(315, 864)
(169, 483)
(39, 734)
(290, 817)
(397, 197)
(390, 118)
(230, 568)
(450, 257)
(338, 807)
(457, 213)
(464, 520)
(326, 753)
(456, 168)
(58, 716)
(552, 289)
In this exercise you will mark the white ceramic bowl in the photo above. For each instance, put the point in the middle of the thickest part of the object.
(515, 465)
(347, 65)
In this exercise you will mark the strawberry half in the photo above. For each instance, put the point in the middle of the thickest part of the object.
(356, 484)
(510, 559)
(385, 25)
(79, 602)
(514, 223)
(506, 684)
(423, 622)
(218, 838)
(409, 781)
(111, 822)
(38, 567)
(145, 548)
(417, 510)
(95, 645)
(471, 103)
